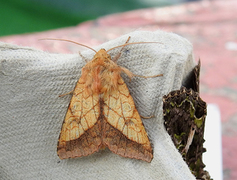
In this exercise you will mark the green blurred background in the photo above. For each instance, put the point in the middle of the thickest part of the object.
(24, 16)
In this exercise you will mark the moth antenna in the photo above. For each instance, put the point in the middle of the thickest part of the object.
(130, 44)
(70, 41)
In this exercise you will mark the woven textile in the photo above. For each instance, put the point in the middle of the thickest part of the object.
(31, 113)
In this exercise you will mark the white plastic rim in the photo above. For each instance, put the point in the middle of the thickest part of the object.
(212, 135)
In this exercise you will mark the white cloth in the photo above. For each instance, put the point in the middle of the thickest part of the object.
(31, 113)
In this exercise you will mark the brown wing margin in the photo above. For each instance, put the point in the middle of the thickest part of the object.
(121, 145)
(86, 144)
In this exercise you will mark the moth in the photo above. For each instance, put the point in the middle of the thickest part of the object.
(102, 113)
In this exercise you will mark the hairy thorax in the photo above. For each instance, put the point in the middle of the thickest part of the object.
(101, 74)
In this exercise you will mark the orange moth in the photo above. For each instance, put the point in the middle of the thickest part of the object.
(102, 113)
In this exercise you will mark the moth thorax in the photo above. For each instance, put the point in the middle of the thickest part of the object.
(109, 79)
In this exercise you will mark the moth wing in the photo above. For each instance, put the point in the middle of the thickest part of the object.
(124, 133)
(81, 130)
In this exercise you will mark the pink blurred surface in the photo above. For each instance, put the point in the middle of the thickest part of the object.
(211, 26)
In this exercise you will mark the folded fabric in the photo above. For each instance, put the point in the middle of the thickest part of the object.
(32, 113)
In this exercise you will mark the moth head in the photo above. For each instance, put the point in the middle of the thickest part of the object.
(102, 54)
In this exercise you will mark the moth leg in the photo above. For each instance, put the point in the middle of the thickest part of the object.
(149, 117)
(148, 76)
(131, 75)
(83, 57)
(66, 93)
(115, 59)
